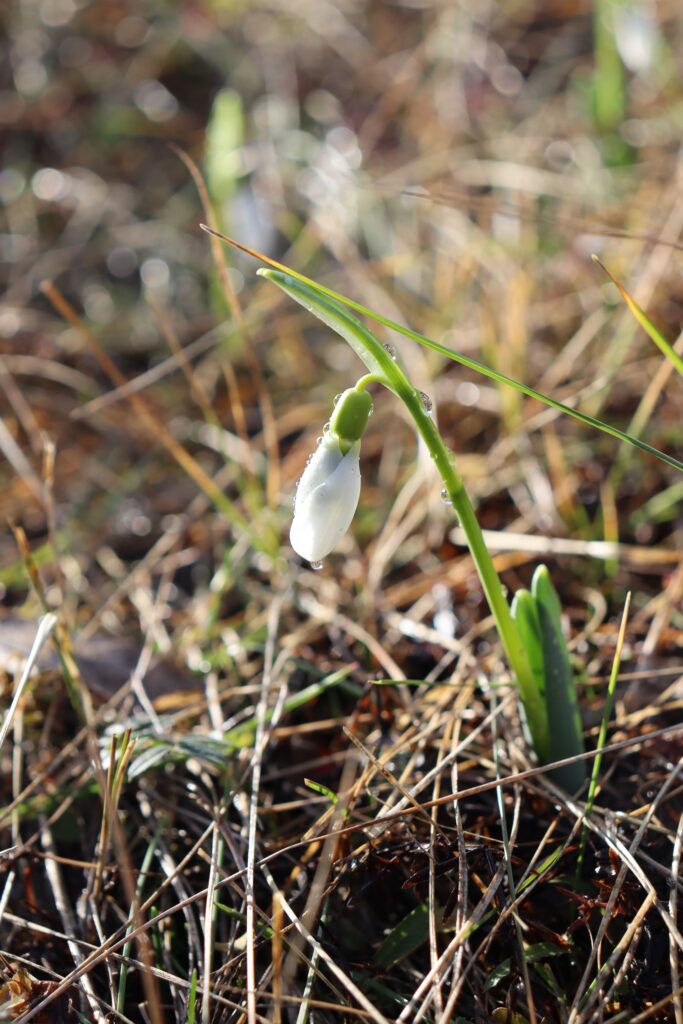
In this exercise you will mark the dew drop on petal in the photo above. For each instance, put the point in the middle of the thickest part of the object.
(445, 497)
(391, 351)
(319, 440)
(316, 566)
(427, 403)
(326, 428)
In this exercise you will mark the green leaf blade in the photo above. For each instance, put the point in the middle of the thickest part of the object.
(525, 615)
(407, 936)
(292, 283)
(564, 719)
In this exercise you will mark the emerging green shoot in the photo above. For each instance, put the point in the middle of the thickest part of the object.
(538, 616)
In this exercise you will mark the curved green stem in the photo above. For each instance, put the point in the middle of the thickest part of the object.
(444, 461)
(384, 370)
(368, 378)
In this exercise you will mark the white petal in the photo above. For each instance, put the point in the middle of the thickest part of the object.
(319, 468)
(326, 500)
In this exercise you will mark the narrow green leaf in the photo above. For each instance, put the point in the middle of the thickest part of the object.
(542, 951)
(192, 1000)
(405, 682)
(525, 614)
(497, 974)
(153, 756)
(661, 507)
(544, 866)
(564, 720)
(263, 929)
(368, 349)
(243, 734)
(318, 787)
(303, 290)
(543, 590)
(407, 936)
(641, 316)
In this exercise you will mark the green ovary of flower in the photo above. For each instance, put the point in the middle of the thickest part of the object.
(350, 416)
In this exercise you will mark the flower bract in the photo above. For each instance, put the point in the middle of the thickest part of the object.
(326, 498)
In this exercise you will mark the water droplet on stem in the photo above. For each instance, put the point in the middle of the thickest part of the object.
(427, 403)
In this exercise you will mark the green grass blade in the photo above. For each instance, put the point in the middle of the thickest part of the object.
(404, 938)
(192, 1001)
(641, 316)
(303, 1015)
(243, 734)
(318, 787)
(292, 282)
(602, 737)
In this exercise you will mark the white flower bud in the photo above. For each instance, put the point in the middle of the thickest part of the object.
(326, 499)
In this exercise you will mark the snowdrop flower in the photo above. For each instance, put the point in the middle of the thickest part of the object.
(328, 492)
(326, 499)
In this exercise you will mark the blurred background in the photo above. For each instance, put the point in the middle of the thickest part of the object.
(452, 165)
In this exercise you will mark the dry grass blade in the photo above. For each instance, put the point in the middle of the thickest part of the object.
(209, 932)
(629, 864)
(45, 626)
(263, 722)
(507, 853)
(674, 951)
(156, 374)
(116, 942)
(155, 427)
(21, 465)
(216, 250)
(602, 737)
(340, 975)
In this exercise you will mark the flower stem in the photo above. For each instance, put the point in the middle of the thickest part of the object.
(368, 378)
(493, 589)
